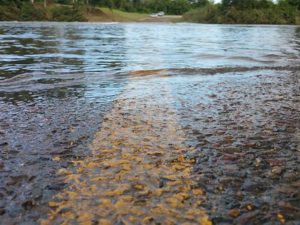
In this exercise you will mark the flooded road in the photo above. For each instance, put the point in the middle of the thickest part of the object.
(149, 124)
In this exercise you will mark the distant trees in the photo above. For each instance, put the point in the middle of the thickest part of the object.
(247, 4)
(147, 6)
(38, 10)
(247, 11)
(45, 2)
(295, 3)
(168, 6)
(199, 3)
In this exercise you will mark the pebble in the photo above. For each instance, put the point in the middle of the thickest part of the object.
(252, 186)
(3, 144)
(234, 213)
(1, 165)
(2, 211)
(276, 170)
(245, 218)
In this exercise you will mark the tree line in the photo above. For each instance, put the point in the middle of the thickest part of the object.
(177, 7)
(247, 12)
(205, 11)
(258, 4)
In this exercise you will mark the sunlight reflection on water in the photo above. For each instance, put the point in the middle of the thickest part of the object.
(91, 55)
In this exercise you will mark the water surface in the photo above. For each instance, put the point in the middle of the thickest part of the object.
(39, 56)
(230, 91)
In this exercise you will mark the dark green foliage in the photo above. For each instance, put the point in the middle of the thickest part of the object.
(176, 7)
(200, 3)
(8, 13)
(206, 14)
(247, 12)
(31, 13)
(295, 3)
(68, 14)
(25, 11)
(247, 4)
(64, 2)
(20, 10)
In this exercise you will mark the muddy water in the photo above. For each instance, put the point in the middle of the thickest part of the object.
(149, 123)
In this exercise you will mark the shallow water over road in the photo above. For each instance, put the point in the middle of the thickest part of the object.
(183, 119)
(39, 56)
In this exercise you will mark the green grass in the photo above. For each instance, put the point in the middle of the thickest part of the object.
(116, 15)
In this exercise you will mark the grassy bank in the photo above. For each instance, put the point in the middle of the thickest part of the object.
(106, 14)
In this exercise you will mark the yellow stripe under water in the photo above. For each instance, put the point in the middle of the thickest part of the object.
(138, 173)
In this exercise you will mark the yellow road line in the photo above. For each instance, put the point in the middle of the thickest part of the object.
(138, 173)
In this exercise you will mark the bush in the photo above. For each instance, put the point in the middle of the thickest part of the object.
(178, 7)
(21, 11)
(9, 13)
(232, 15)
(31, 13)
(67, 14)
(207, 14)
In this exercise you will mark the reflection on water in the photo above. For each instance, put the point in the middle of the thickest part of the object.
(42, 56)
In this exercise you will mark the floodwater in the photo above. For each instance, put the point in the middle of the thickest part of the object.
(149, 124)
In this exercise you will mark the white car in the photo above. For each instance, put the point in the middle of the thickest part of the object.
(161, 14)
(157, 14)
(154, 15)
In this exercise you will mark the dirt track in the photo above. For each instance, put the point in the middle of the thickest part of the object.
(162, 19)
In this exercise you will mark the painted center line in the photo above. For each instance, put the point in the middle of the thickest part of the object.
(138, 173)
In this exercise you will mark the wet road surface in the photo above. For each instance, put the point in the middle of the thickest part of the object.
(138, 172)
(110, 124)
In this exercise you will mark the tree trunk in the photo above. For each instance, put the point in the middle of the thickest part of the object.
(32, 1)
(45, 3)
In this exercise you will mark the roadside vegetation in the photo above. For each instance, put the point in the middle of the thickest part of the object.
(17, 10)
(201, 11)
(246, 12)
(88, 10)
